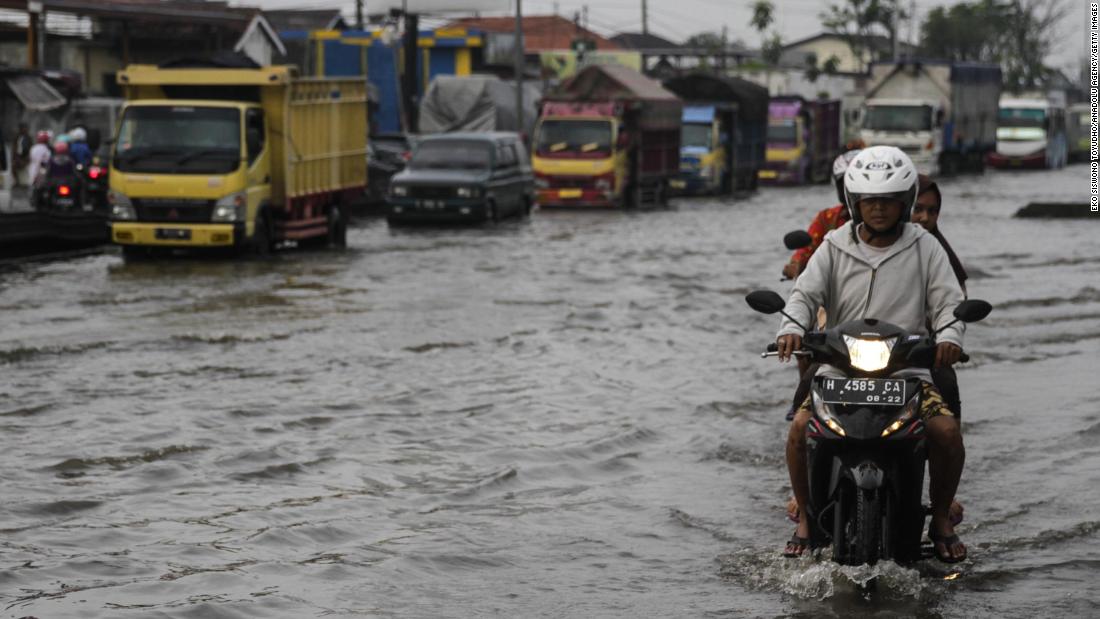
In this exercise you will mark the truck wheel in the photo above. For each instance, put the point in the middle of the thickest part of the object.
(261, 236)
(337, 228)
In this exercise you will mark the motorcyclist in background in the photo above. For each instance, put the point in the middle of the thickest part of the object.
(826, 219)
(78, 147)
(879, 266)
(39, 157)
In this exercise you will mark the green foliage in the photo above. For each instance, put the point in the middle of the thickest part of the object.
(1017, 34)
(860, 22)
(711, 41)
(763, 15)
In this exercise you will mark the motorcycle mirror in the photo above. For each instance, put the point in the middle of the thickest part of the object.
(765, 301)
(972, 310)
(797, 239)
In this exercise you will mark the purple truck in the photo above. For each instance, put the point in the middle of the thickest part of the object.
(803, 139)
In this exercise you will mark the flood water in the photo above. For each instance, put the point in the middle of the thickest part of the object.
(560, 417)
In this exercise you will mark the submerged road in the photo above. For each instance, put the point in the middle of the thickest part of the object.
(560, 417)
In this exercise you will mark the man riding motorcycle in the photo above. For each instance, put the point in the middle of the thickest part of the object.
(880, 266)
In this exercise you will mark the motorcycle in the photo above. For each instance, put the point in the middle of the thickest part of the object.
(93, 181)
(58, 194)
(866, 450)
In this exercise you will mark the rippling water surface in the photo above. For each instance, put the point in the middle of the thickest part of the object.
(564, 417)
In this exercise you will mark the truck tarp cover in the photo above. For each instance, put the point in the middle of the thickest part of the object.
(660, 109)
(751, 99)
(476, 103)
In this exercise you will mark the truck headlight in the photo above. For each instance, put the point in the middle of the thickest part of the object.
(869, 355)
(603, 184)
(467, 192)
(121, 207)
(542, 183)
(230, 208)
(399, 190)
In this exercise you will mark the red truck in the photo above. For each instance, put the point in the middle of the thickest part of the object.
(608, 137)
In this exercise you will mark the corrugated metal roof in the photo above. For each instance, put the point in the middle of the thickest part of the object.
(616, 81)
(35, 94)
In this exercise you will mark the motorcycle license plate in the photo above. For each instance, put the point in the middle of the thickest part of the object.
(872, 391)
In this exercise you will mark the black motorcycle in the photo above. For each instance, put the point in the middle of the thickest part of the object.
(866, 441)
(60, 193)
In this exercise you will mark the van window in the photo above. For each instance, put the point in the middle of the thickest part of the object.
(506, 156)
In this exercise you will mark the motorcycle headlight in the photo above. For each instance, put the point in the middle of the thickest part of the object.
(467, 192)
(230, 208)
(906, 414)
(399, 190)
(822, 413)
(869, 355)
(121, 207)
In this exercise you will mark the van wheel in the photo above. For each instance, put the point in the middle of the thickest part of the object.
(337, 228)
(134, 254)
(261, 236)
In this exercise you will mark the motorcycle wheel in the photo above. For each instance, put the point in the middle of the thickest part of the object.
(867, 540)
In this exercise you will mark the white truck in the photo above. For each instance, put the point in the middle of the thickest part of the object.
(942, 114)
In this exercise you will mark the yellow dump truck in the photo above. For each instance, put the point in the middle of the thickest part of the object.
(235, 158)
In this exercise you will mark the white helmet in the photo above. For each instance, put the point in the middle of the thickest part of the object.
(78, 134)
(880, 172)
(840, 166)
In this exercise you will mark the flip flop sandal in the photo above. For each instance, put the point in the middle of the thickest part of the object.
(796, 541)
(947, 542)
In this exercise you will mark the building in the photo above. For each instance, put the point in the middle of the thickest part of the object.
(96, 38)
(540, 32)
(821, 47)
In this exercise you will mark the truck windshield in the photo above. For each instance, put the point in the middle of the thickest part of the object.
(180, 139)
(695, 135)
(574, 136)
(1021, 117)
(451, 154)
(782, 132)
(898, 118)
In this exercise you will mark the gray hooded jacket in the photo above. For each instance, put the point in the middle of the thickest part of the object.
(913, 285)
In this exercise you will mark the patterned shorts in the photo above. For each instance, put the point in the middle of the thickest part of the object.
(931, 403)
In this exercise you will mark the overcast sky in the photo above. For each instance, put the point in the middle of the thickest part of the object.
(678, 19)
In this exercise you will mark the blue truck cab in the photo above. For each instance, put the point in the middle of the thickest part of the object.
(704, 151)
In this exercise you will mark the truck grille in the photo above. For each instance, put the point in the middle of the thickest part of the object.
(573, 182)
(173, 211)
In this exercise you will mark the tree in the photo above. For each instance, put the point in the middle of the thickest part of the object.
(710, 41)
(763, 15)
(860, 22)
(1018, 34)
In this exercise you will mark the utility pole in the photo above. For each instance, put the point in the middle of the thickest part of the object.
(645, 17)
(518, 69)
(359, 14)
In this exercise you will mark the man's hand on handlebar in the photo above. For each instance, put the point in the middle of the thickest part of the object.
(947, 354)
(787, 344)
